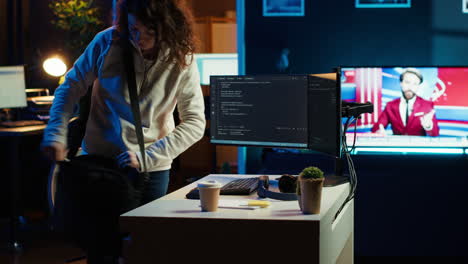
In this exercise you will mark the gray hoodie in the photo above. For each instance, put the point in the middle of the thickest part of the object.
(110, 128)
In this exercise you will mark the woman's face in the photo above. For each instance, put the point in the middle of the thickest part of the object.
(143, 37)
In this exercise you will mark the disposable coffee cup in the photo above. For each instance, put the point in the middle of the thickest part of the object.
(209, 195)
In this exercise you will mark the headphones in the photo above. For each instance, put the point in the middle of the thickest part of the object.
(263, 192)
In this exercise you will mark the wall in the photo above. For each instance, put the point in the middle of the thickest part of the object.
(203, 8)
(3, 32)
(45, 40)
(333, 34)
(41, 39)
(14, 28)
(405, 205)
(449, 30)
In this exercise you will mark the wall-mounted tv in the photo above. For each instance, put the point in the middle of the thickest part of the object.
(416, 109)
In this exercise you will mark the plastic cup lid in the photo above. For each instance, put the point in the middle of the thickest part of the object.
(209, 184)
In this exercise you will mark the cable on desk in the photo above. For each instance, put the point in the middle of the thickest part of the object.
(351, 169)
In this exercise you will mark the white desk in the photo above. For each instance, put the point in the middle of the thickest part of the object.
(173, 229)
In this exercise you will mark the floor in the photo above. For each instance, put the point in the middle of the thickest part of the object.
(39, 245)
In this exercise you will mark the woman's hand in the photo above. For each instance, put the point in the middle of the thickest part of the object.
(128, 159)
(56, 151)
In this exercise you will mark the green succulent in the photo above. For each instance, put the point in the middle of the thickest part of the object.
(311, 173)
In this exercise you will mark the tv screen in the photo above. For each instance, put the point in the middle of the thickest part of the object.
(291, 111)
(423, 107)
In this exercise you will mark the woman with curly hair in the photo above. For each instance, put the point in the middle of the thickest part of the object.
(162, 43)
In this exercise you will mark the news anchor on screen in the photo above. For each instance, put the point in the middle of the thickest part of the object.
(409, 114)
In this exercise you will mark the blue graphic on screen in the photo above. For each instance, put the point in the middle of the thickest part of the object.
(283, 7)
(383, 3)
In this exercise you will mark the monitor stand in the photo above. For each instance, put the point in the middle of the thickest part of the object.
(334, 180)
(338, 177)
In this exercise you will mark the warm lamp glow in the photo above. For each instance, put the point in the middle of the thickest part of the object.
(54, 66)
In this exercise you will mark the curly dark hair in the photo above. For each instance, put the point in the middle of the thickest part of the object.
(172, 22)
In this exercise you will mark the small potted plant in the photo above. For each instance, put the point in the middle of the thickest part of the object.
(309, 190)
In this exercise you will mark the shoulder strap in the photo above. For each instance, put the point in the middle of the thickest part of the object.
(132, 90)
(85, 103)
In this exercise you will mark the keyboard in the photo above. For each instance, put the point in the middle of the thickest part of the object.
(243, 186)
(21, 123)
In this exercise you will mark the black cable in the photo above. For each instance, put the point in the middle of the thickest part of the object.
(345, 145)
(353, 184)
(350, 161)
(352, 175)
(354, 138)
(351, 169)
(343, 137)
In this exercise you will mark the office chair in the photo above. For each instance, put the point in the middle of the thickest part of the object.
(52, 181)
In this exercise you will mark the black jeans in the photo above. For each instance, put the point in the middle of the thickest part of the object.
(104, 245)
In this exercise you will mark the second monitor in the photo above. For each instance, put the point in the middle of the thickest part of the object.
(295, 111)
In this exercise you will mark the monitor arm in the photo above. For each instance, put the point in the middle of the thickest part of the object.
(349, 109)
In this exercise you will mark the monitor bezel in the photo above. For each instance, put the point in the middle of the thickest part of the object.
(407, 149)
(23, 67)
(305, 146)
(200, 57)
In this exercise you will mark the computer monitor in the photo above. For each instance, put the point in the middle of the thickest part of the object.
(288, 111)
(210, 64)
(12, 87)
(442, 89)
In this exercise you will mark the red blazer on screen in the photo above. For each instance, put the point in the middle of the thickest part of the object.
(391, 115)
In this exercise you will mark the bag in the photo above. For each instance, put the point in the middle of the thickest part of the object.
(92, 191)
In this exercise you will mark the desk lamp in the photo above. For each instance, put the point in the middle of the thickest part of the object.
(56, 67)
